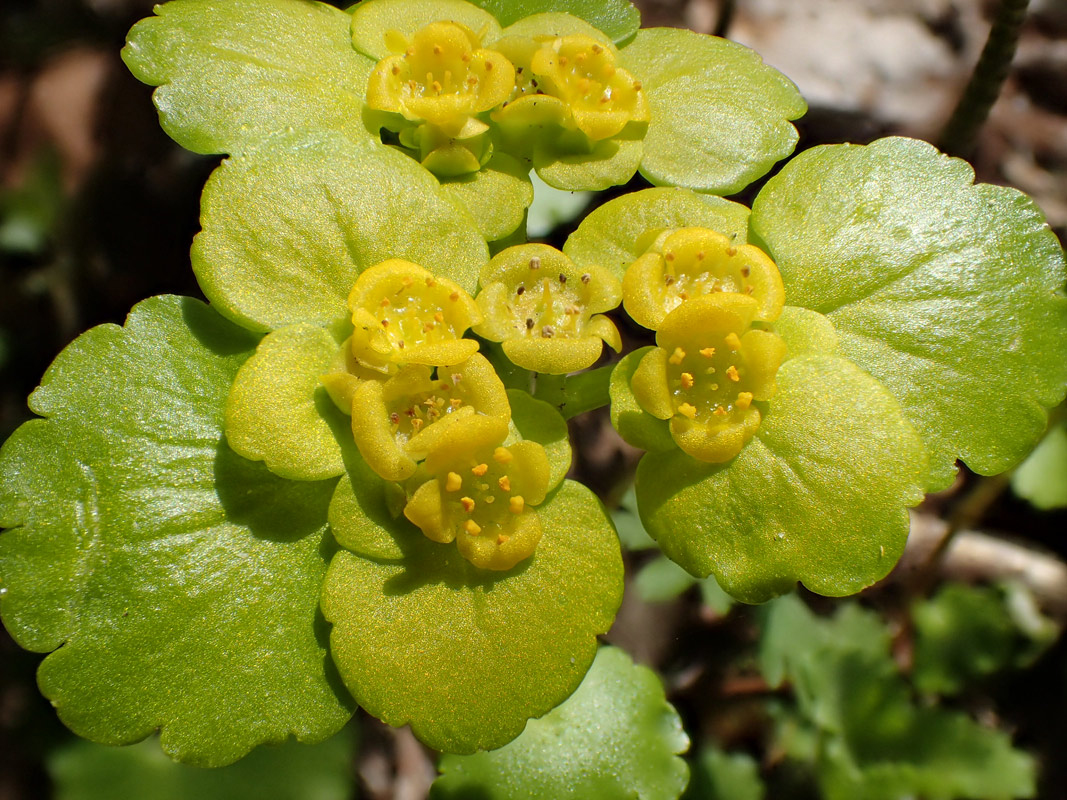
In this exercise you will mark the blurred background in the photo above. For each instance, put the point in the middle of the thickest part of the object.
(98, 209)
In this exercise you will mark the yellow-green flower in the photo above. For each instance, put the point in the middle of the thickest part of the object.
(572, 81)
(402, 314)
(546, 310)
(687, 263)
(481, 494)
(396, 423)
(440, 80)
(707, 371)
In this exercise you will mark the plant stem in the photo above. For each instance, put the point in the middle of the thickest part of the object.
(959, 135)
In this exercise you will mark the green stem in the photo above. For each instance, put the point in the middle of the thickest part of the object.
(575, 394)
(958, 137)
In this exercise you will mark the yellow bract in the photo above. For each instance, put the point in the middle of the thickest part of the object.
(546, 310)
(402, 314)
(397, 422)
(687, 263)
(480, 495)
(708, 369)
(573, 81)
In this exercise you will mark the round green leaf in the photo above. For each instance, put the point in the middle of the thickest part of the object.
(85, 771)
(181, 580)
(949, 293)
(720, 116)
(496, 196)
(616, 736)
(231, 72)
(818, 495)
(464, 655)
(275, 409)
(609, 236)
(612, 162)
(288, 227)
(361, 516)
(725, 776)
(619, 19)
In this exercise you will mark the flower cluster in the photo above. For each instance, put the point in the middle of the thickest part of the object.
(430, 412)
(448, 93)
(702, 295)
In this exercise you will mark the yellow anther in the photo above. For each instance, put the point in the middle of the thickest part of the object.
(436, 86)
(454, 296)
(437, 50)
(669, 256)
(453, 483)
(455, 402)
(396, 69)
(439, 317)
(563, 61)
(468, 504)
(637, 86)
(700, 256)
(597, 49)
(431, 282)
(687, 380)
(488, 66)
(516, 504)
(502, 455)
(407, 280)
(719, 411)
(480, 470)
(501, 538)
(385, 302)
(472, 527)
(504, 483)
(733, 342)
(687, 410)
(427, 327)
(731, 251)
(744, 400)
(677, 356)
(731, 373)
(416, 424)
(708, 352)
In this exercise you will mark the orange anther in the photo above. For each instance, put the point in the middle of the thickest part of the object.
(687, 410)
(719, 411)
(677, 356)
(480, 470)
(707, 352)
(472, 527)
(731, 373)
(454, 296)
(504, 483)
(687, 380)
(501, 539)
(468, 504)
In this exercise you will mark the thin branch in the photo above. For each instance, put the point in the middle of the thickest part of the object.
(959, 136)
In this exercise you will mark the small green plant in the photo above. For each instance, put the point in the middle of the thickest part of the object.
(344, 481)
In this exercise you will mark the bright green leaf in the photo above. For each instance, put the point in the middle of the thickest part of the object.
(181, 579)
(947, 292)
(609, 236)
(1042, 478)
(293, 771)
(464, 655)
(632, 533)
(819, 495)
(616, 736)
(496, 196)
(725, 776)
(373, 19)
(275, 409)
(534, 419)
(289, 225)
(231, 72)
(619, 19)
(720, 116)
(612, 162)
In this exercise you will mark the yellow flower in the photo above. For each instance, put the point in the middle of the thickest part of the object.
(395, 423)
(687, 263)
(480, 494)
(572, 81)
(402, 314)
(546, 310)
(707, 371)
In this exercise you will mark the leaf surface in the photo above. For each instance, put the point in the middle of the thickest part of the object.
(949, 293)
(178, 581)
(619, 19)
(467, 656)
(819, 495)
(231, 72)
(290, 225)
(720, 116)
(616, 736)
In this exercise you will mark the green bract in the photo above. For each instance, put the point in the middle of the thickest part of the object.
(616, 736)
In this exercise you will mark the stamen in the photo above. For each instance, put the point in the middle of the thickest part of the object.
(547, 331)
(502, 455)
(504, 483)
(719, 411)
(454, 296)
(468, 504)
(453, 483)
(744, 400)
(480, 470)
(677, 356)
(687, 380)
(472, 527)
(687, 410)
(500, 539)
(708, 352)
(733, 342)
(535, 262)
(731, 373)
(416, 424)
(516, 504)
(586, 277)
